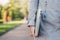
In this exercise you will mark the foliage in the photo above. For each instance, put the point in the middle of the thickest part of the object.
(16, 14)
(1, 11)
(15, 7)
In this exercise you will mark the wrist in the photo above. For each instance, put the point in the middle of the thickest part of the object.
(32, 28)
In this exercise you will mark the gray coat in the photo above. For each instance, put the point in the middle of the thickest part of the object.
(49, 20)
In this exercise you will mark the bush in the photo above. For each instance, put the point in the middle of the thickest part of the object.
(1, 12)
(16, 14)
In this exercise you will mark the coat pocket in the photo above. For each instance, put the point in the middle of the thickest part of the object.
(43, 16)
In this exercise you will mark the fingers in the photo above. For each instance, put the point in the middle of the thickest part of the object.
(32, 34)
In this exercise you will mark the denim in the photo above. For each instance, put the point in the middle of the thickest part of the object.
(50, 18)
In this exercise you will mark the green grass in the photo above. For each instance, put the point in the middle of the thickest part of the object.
(6, 27)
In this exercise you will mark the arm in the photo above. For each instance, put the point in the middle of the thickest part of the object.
(32, 9)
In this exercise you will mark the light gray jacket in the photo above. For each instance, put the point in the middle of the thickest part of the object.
(50, 17)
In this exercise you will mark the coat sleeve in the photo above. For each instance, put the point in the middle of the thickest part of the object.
(32, 9)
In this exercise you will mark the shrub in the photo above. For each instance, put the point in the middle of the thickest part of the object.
(16, 14)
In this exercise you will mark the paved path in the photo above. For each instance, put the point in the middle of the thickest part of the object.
(19, 33)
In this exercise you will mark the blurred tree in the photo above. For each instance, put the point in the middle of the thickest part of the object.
(1, 11)
(24, 8)
(18, 9)
(7, 14)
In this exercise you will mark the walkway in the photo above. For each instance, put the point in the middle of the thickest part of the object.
(19, 33)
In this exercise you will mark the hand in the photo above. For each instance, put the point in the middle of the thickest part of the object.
(32, 34)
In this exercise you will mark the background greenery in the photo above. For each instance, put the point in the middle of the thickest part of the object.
(6, 27)
(15, 8)
(1, 8)
(16, 14)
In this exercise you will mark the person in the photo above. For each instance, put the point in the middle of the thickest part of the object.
(49, 28)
